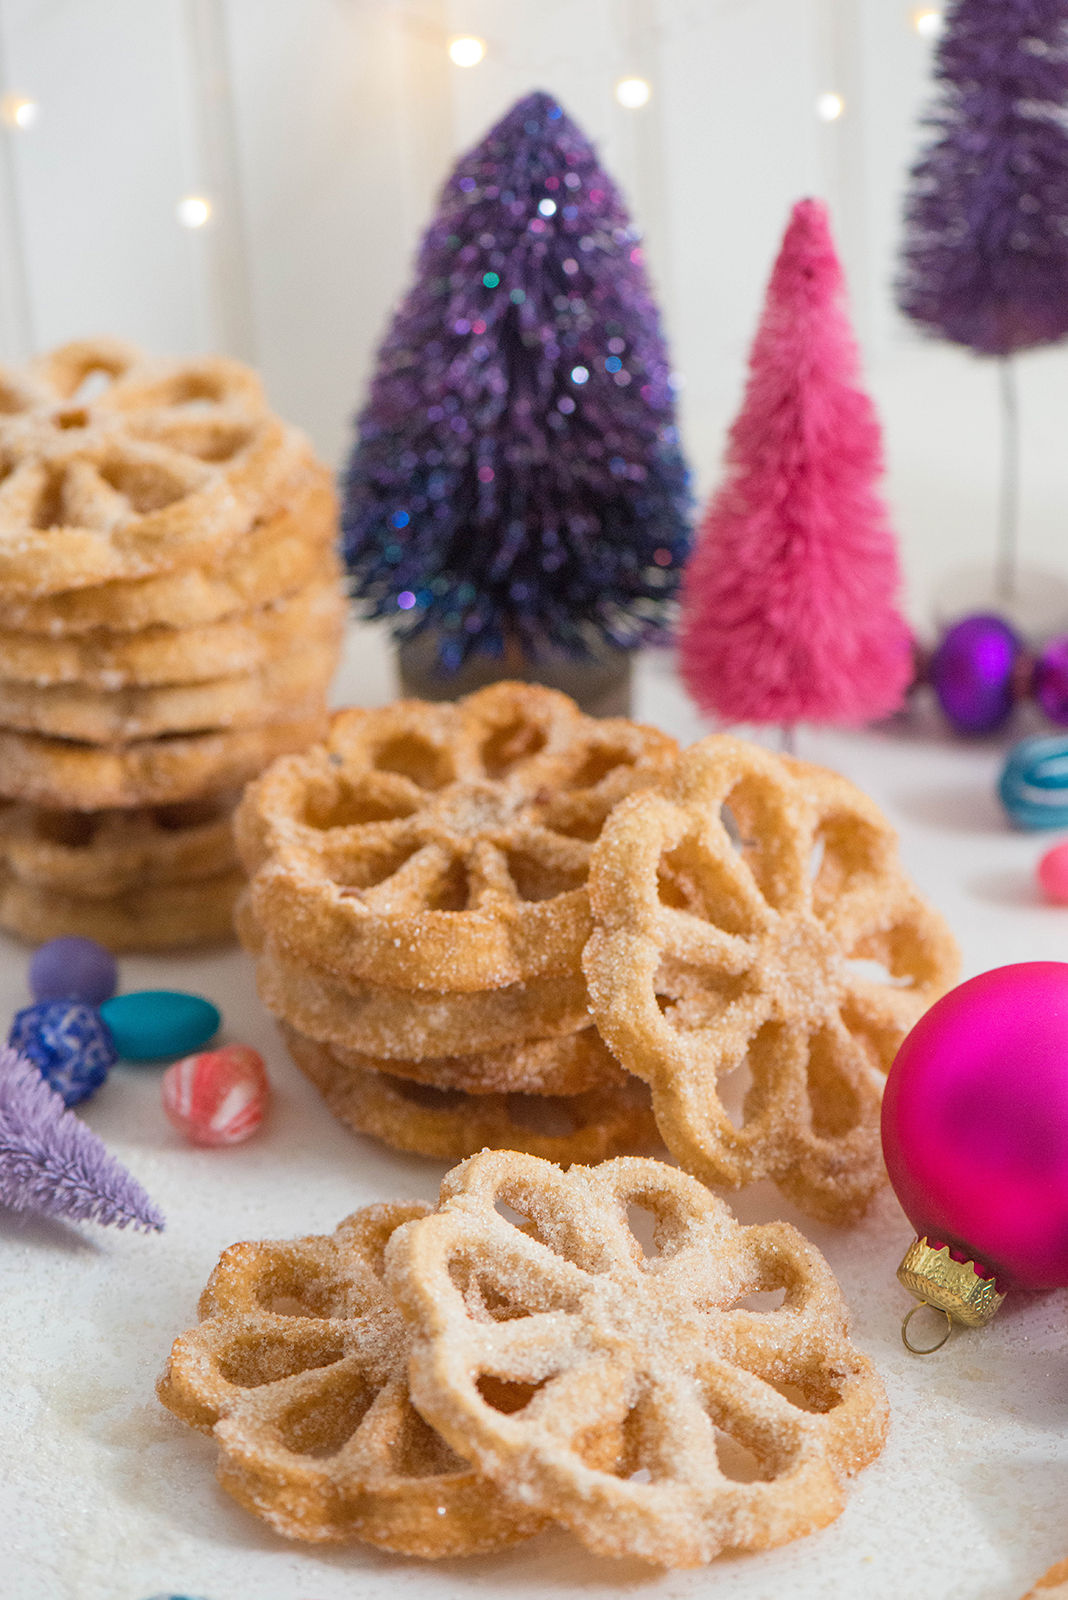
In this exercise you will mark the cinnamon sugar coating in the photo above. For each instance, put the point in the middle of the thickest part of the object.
(100, 854)
(299, 1371)
(570, 1063)
(1053, 1585)
(442, 847)
(714, 953)
(164, 467)
(166, 917)
(242, 643)
(718, 1426)
(65, 775)
(408, 1024)
(287, 546)
(589, 1125)
(289, 684)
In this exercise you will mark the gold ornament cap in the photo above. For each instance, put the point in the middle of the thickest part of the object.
(955, 1287)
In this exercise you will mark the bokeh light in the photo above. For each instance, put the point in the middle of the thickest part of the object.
(632, 93)
(928, 22)
(466, 51)
(193, 211)
(18, 111)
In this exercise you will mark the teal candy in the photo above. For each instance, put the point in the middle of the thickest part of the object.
(1034, 783)
(154, 1023)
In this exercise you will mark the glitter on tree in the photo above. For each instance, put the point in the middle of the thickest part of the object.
(789, 607)
(51, 1163)
(985, 262)
(517, 471)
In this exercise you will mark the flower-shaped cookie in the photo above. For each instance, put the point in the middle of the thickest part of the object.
(713, 1425)
(444, 847)
(115, 466)
(754, 915)
(299, 1369)
(588, 1125)
(98, 854)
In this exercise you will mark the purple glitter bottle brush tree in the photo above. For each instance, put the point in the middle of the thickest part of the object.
(516, 489)
(985, 260)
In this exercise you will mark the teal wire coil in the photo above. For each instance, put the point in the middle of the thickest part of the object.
(1034, 783)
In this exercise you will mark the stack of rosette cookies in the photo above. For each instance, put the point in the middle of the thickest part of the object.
(499, 923)
(502, 923)
(170, 619)
(418, 912)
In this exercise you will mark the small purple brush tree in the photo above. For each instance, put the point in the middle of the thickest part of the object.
(51, 1163)
(517, 473)
(985, 261)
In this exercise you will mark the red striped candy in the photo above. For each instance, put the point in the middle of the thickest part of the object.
(217, 1096)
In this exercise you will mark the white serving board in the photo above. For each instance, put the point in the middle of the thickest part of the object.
(105, 1496)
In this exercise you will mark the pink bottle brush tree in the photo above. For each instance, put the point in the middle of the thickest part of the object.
(790, 600)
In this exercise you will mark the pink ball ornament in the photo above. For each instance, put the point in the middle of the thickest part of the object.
(217, 1097)
(975, 1130)
(1053, 874)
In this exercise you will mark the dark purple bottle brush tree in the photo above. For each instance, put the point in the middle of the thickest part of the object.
(985, 261)
(517, 474)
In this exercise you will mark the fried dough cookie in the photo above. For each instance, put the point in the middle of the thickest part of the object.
(97, 855)
(449, 1124)
(244, 643)
(299, 1371)
(169, 916)
(715, 953)
(62, 775)
(568, 1315)
(285, 549)
(163, 467)
(443, 847)
(414, 1024)
(569, 1064)
(281, 689)
(1053, 1585)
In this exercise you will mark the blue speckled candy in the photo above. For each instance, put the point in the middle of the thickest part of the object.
(68, 1043)
(153, 1023)
(73, 969)
(1034, 783)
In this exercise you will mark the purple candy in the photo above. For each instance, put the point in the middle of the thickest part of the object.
(68, 1042)
(1051, 681)
(972, 673)
(73, 969)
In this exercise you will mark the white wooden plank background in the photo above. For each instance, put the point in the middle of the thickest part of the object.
(320, 130)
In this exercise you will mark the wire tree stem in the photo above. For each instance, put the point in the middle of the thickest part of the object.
(1009, 506)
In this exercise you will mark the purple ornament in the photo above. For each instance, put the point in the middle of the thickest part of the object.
(1050, 682)
(73, 969)
(68, 1043)
(972, 673)
(518, 472)
(986, 252)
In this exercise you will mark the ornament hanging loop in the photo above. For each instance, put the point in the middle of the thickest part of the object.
(925, 1350)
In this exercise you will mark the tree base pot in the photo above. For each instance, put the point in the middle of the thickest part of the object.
(600, 683)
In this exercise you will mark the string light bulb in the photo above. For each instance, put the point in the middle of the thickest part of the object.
(632, 92)
(18, 111)
(193, 211)
(467, 51)
(829, 107)
(928, 22)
